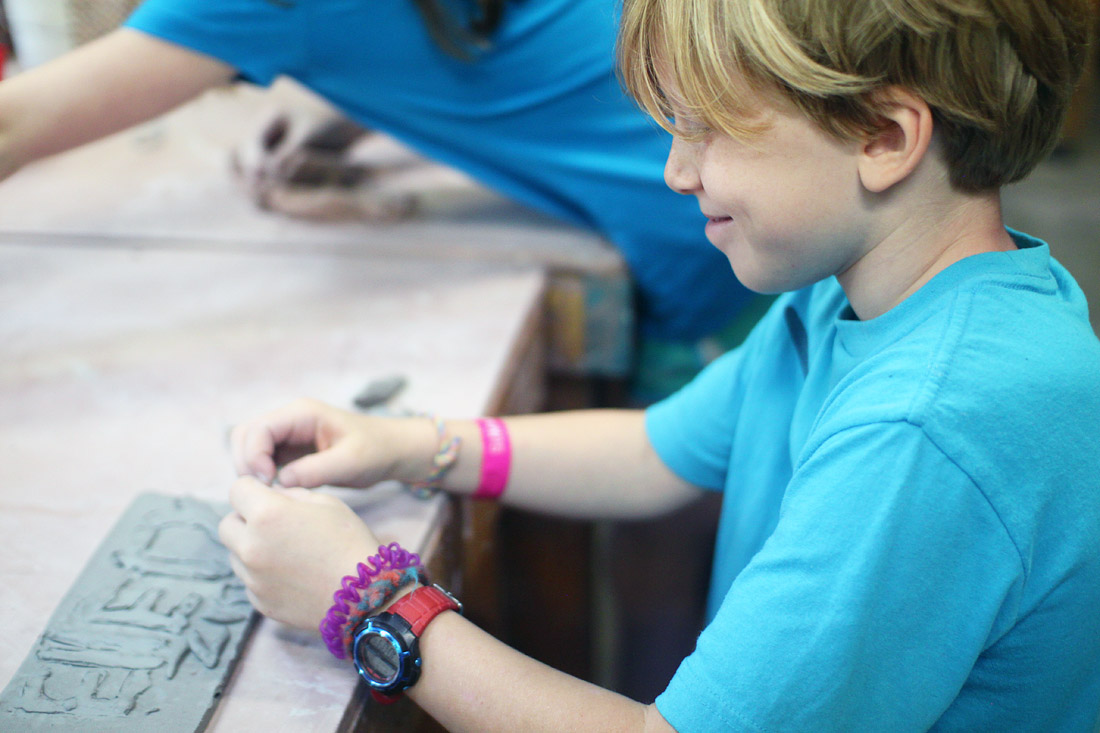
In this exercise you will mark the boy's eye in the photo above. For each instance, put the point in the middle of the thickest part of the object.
(689, 128)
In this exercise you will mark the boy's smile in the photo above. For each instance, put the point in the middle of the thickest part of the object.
(714, 224)
(784, 206)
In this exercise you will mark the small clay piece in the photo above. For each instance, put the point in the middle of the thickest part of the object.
(380, 391)
(146, 637)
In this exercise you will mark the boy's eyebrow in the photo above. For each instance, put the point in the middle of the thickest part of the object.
(668, 101)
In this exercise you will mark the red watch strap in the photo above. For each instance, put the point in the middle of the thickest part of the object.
(422, 605)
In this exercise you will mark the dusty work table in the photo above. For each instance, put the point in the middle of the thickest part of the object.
(123, 369)
(146, 306)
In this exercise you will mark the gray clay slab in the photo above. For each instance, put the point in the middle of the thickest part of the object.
(146, 637)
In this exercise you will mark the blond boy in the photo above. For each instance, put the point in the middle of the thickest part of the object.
(906, 443)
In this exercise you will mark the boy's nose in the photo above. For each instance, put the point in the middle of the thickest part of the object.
(681, 172)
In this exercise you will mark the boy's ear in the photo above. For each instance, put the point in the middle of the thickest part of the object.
(895, 150)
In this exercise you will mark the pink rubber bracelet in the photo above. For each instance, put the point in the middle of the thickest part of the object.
(496, 458)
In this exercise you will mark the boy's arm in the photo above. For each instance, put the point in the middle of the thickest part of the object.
(473, 682)
(582, 464)
(112, 83)
(291, 547)
(588, 464)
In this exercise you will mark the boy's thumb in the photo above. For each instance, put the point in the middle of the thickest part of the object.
(307, 472)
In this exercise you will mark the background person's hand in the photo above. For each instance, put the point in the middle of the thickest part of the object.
(299, 162)
(291, 548)
(291, 146)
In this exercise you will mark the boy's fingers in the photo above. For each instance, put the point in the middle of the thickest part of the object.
(231, 531)
(308, 495)
(259, 443)
(290, 477)
(248, 496)
(294, 424)
(249, 455)
(296, 493)
(240, 570)
(317, 469)
(258, 455)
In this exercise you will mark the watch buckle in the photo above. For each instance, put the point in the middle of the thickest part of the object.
(450, 595)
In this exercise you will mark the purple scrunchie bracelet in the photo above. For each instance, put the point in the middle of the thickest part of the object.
(391, 556)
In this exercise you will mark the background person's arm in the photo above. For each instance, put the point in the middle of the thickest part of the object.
(105, 86)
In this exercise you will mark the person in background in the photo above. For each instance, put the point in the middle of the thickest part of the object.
(905, 443)
(520, 95)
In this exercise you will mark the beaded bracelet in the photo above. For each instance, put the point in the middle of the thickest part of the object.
(391, 556)
(442, 461)
(376, 595)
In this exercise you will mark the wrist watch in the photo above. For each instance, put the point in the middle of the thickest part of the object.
(386, 649)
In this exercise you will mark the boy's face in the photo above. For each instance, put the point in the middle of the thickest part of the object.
(785, 206)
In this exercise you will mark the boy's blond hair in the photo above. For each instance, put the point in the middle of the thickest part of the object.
(998, 74)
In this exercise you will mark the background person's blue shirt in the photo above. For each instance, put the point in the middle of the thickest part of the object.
(540, 117)
(910, 530)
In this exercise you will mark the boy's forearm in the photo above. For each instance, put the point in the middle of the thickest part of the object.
(8, 162)
(601, 478)
(13, 124)
(473, 682)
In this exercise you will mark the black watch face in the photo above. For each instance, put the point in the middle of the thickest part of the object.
(380, 657)
(378, 653)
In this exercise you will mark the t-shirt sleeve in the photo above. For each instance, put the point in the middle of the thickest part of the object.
(260, 38)
(692, 430)
(887, 575)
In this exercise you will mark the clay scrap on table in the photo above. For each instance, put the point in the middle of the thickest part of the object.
(146, 637)
(378, 392)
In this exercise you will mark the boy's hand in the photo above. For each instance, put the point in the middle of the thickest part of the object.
(341, 448)
(291, 548)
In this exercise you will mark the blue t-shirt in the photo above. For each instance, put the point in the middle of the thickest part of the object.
(540, 117)
(910, 529)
